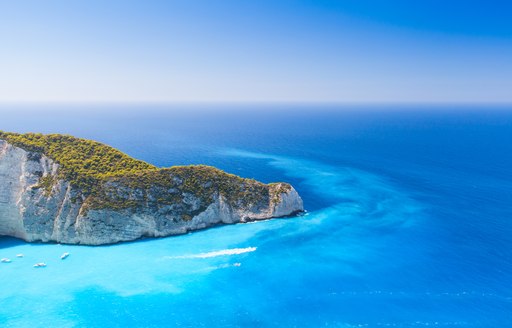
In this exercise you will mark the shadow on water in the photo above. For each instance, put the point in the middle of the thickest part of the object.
(7, 242)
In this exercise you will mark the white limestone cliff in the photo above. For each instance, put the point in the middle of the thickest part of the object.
(29, 212)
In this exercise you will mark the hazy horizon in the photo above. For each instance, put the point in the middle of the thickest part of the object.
(362, 52)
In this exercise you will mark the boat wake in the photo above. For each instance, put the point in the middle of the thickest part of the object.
(224, 252)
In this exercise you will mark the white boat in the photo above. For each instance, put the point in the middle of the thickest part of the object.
(20, 255)
(40, 265)
(5, 260)
(64, 256)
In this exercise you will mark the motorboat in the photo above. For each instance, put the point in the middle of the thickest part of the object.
(5, 260)
(64, 256)
(20, 255)
(40, 265)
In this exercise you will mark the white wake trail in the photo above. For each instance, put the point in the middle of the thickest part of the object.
(224, 252)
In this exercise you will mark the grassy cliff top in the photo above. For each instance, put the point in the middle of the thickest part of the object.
(91, 167)
(79, 159)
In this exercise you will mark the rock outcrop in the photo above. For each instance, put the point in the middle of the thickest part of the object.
(38, 202)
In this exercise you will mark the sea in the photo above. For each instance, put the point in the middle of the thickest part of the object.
(408, 222)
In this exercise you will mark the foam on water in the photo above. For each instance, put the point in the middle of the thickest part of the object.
(224, 252)
(360, 205)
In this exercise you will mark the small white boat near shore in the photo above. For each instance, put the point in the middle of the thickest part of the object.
(64, 256)
(40, 265)
(5, 260)
(20, 255)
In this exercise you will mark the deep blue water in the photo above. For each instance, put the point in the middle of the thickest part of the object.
(409, 223)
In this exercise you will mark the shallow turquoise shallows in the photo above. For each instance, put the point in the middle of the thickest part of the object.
(409, 223)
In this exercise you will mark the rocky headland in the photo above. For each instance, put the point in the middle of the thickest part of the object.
(58, 188)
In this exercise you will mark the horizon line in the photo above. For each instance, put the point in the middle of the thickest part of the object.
(260, 103)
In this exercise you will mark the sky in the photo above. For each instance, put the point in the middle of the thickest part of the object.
(353, 51)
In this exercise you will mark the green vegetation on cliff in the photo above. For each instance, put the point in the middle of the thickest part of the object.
(108, 178)
(170, 186)
(82, 162)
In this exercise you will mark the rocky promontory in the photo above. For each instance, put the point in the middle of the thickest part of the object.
(58, 188)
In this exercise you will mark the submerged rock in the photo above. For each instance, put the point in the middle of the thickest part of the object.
(56, 188)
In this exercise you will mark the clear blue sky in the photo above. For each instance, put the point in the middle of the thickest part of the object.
(259, 50)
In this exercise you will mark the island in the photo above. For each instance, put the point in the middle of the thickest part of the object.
(58, 188)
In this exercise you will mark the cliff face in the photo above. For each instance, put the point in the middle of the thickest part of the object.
(38, 204)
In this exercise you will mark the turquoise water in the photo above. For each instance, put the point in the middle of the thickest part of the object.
(408, 224)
